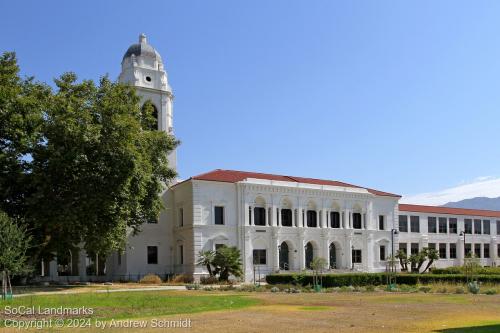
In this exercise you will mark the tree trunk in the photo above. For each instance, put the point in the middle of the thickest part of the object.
(209, 268)
(428, 265)
(4, 286)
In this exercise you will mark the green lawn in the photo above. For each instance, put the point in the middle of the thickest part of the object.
(137, 304)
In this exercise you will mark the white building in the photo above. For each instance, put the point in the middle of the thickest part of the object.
(279, 222)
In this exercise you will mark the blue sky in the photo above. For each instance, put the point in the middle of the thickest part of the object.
(403, 96)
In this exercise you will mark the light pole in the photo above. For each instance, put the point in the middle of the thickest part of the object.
(393, 232)
(462, 233)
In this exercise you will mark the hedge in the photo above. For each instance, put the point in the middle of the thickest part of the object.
(364, 279)
(460, 270)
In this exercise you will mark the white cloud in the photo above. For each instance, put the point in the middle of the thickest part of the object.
(479, 187)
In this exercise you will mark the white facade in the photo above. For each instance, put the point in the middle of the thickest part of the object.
(278, 222)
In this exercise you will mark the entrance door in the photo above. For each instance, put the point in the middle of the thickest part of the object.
(333, 256)
(284, 262)
(309, 255)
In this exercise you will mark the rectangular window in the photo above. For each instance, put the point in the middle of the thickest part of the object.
(415, 223)
(181, 254)
(468, 249)
(453, 251)
(431, 225)
(442, 251)
(486, 227)
(477, 250)
(259, 215)
(335, 219)
(431, 246)
(181, 217)
(403, 247)
(381, 222)
(453, 225)
(498, 227)
(498, 250)
(468, 226)
(443, 225)
(356, 220)
(356, 256)
(403, 223)
(152, 255)
(414, 248)
(312, 219)
(219, 215)
(219, 246)
(382, 252)
(486, 250)
(286, 217)
(477, 227)
(259, 257)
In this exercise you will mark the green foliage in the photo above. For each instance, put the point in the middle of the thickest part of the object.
(227, 261)
(206, 258)
(461, 270)
(364, 279)
(490, 292)
(473, 287)
(79, 163)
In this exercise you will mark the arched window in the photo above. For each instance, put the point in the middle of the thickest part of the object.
(284, 256)
(333, 256)
(312, 219)
(259, 212)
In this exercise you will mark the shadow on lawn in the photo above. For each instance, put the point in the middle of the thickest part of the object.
(472, 329)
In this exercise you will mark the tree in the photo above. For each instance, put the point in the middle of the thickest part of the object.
(206, 258)
(403, 260)
(432, 255)
(14, 243)
(227, 261)
(318, 264)
(81, 163)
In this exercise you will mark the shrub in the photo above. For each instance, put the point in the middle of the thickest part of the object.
(194, 286)
(442, 290)
(424, 289)
(182, 278)
(490, 292)
(275, 289)
(473, 287)
(460, 290)
(370, 288)
(150, 279)
(209, 280)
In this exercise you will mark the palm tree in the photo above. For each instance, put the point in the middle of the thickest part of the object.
(432, 255)
(403, 260)
(206, 258)
(227, 262)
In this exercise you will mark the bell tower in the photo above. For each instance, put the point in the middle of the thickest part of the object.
(142, 67)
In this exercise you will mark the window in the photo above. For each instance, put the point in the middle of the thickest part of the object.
(468, 226)
(259, 216)
(414, 248)
(486, 227)
(403, 247)
(218, 246)
(431, 225)
(477, 250)
(477, 227)
(335, 219)
(382, 252)
(181, 217)
(152, 255)
(415, 223)
(286, 217)
(381, 222)
(443, 225)
(403, 223)
(486, 250)
(356, 220)
(356, 256)
(259, 257)
(498, 250)
(431, 246)
(181, 254)
(498, 227)
(312, 217)
(219, 215)
(453, 251)
(442, 251)
(453, 225)
(468, 249)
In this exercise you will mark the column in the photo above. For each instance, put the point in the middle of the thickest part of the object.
(326, 250)
(348, 252)
(301, 250)
(370, 253)
(323, 218)
(276, 253)
(278, 215)
(461, 250)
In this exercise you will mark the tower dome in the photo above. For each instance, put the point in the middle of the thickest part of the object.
(142, 49)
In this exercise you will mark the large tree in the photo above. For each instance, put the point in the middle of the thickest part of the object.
(83, 164)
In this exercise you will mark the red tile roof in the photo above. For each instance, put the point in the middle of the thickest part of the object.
(232, 176)
(447, 210)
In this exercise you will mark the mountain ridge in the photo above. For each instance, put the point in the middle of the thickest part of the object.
(476, 203)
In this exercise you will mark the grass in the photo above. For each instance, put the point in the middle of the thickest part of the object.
(120, 305)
